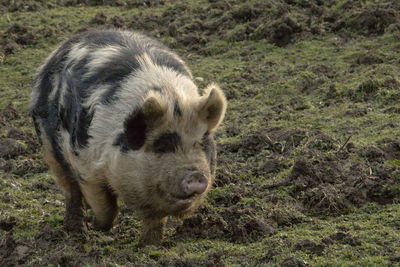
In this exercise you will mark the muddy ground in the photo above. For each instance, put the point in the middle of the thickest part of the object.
(308, 155)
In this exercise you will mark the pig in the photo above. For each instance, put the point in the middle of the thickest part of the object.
(119, 116)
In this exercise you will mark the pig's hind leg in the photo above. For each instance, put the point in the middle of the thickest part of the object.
(73, 221)
(103, 203)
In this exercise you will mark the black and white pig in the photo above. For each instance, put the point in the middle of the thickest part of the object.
(118, 115)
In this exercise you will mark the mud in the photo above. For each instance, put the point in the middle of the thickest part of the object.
(292, 261)
(8, 223)
(310, 246)
(343, 238)
(99, 19)
(19, 149)
(10, 148)
(332, 185)
(282, 31)
(278, 140)
(20, 34)
(372, 20)
(239, 224)
(8, 114)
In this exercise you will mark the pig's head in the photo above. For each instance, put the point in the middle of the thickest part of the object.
(172, 152)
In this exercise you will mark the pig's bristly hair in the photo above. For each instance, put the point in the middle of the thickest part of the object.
(213, 107)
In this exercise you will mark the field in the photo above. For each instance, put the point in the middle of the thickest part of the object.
(308, 154)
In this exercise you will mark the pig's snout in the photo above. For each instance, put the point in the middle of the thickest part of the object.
(194, 183)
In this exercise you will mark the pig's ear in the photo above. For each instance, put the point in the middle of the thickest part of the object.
(154, 110)
(212, 107)
(137, 124)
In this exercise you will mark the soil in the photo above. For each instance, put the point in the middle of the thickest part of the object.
(10, 148)
(240, 224)
(333, 185)
(292, 262)
(308, 245)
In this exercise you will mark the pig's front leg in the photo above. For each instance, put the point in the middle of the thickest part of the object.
(152, 233)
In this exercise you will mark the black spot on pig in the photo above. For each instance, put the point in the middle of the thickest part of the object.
(163, 58)
(177, 109)
(48, 111)
(112, 73)
(74, 117)
(157, 89)
(44, 78)
(167, 143)
(135, 132)
(122, 142)
(82, 127)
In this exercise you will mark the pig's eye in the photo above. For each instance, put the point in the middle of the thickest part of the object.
(167, 143)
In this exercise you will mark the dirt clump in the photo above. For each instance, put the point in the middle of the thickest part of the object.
(254, 143)
(239, 224)
(10, 148)
(292, 261)
(247, 226)
(373, 153)
(20, 34)
(395, 258)
(19, 5)
(392, 149)
(251, 144)
(8, 223)
(284, 140)
(99, 19)
(321, 142)
(194, 40)
(325, 197)
(7, 246)
(308, 245)
(48, 236)
(369, 58)
(283, 31)
(7, 114)
(365, 91)
(24, 166)
(225, 173)
(286, 218)
(277, 140)
(13, 253)
(117, 21)
(357, 112)
(333, 185)
(372, 20)
(342, 238)
(202, 226)
(245, 12)
(271, 166)
(391, 83)
(331, 95)
(213, 259)
(141, 3)
(15, 133)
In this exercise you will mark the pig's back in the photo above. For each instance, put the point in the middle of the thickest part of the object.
(86, 79)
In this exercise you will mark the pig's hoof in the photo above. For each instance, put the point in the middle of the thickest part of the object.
(148, 241)
(101, 226)
(76, 227)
